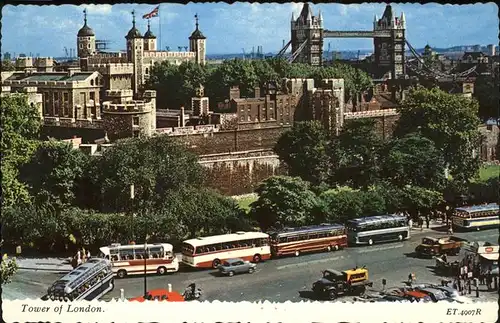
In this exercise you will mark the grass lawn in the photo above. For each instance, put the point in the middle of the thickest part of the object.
(244, 203)
(488, 172)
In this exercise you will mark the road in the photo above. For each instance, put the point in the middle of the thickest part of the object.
(274, 280)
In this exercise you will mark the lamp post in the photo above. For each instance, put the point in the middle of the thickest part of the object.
(132, 197)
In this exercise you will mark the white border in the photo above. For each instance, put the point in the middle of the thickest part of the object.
(266, 312)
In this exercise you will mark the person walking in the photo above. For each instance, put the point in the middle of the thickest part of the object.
(421, 223)
(410, 223)
(78, 257)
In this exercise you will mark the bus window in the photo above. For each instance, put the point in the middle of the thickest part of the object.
(303, 237)
(313, 236)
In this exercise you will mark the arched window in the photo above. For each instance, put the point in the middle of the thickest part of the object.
(92, 82)
(147, 70)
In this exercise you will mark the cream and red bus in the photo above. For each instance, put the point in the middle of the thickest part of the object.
(210, 252)
(129, 259)
(321, 237)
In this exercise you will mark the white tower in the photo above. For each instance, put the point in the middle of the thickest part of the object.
(197, 44)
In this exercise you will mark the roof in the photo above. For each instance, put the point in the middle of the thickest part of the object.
(233, 260)
(241, 235)
(306, 13)
(335, 272)
(388, 14)
(377, 218)
(50, 76)
(479, 208)
(149, 34)
(85, 31)
(308, 229)
(167, 246)
(197, 34)
(473, 55)
(133, 33)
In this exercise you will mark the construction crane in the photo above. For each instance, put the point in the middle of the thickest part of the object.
(186, 48)
(66, 50)
(179, 48)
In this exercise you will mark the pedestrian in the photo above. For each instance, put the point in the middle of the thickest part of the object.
(88, 254)
(445, 258)
(410, 278)
(421, 223)
(427, 221)
(455, 284)
(78, 257)
(450, 229)
(410, 223)
(488, 280)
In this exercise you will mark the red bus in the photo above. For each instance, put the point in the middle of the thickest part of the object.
(310, 238)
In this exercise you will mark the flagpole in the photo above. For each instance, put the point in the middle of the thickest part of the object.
(159, 25)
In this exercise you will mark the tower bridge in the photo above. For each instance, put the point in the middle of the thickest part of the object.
(308, 33)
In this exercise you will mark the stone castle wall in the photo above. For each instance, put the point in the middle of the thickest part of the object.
(241, 172)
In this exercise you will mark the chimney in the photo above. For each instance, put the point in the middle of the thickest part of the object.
(234, 92)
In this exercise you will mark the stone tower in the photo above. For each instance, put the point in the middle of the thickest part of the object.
(135, 51)
(390, 51)
(149, 39)
(308, 28)
(197, 44)
(86, 39)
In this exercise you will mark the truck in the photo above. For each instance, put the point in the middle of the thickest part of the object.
(431, 247)
(335, 283)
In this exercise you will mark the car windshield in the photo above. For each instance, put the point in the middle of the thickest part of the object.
(328, 275)
(226, 264)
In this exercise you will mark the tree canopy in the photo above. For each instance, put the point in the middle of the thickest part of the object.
(175, 85)
(304, 151)
(450, 121)
(21, 124)
(283, 201)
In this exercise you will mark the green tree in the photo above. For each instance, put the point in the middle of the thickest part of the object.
(341, 204)
(265, 72)
(414, 160)
(283, 201)
(450, 121)
(8, 65)
(53, 172)
(355, 154)
(486, 90)
(154, 165)
(166, 80)
(21, 124)
(192, 75)
(9, 269)
(304, 150)
(419, 200)
(234, 72)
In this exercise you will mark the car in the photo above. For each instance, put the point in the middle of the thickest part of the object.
(436, 294)
(449, 291)
(236, 266)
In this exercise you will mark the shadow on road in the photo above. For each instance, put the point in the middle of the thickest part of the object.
(216, 273)
(308, 294)
(443, 228)
(413, 254)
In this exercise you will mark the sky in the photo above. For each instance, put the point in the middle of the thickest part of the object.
(47, 30)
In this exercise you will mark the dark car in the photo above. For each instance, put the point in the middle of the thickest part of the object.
(236, 266)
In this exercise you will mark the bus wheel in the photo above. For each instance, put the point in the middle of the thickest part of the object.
(400, 237)
(370, 242)
(478, 228)
(216, 263)
(162, 270)
(257, 258)
(121, 273)
(297, 253)
(336, 247)
(329, 248)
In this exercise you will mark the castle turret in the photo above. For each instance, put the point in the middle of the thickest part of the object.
(135, 51)
(308, 30)
(85, 39)
(197, 43)
(390, 51)
(149, 39)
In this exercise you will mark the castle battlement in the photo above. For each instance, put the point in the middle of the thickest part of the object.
(158, 54)
(112, 68)
(134, 106)
(190, 130)
(332, 84)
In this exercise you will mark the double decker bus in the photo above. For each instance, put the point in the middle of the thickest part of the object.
(88, 281)
(210, 252)
(476, 217)
(309, 238)
(380, 228)
(129, 259)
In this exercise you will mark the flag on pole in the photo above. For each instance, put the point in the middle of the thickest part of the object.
(152, 14)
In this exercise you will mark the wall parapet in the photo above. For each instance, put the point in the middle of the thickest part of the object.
(169, 54)
(370, 114)
(135, 106)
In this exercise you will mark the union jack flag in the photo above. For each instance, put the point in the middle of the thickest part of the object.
(152, 14)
